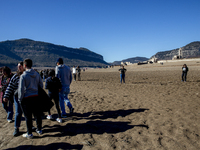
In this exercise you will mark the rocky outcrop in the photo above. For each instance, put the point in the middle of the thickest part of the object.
(188, 51)
(45, 54)
(131, 60)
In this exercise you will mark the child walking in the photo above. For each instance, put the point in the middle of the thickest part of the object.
(53, 85)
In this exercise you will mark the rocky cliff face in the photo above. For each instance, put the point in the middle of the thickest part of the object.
(131, 60)
(45, 54)
(188, 51)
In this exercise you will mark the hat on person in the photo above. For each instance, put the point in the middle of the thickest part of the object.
(59, 60)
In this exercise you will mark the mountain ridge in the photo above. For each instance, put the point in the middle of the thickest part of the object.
(45, 54)
(131, 60)
(188, 51)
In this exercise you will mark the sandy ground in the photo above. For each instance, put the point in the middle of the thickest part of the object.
(153, 110)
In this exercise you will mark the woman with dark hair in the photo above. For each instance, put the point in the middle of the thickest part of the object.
(184, 72)
(12, 90)
(4, 81)
(53, 85)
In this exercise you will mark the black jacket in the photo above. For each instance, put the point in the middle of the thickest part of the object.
(53, 85)
(185, 70)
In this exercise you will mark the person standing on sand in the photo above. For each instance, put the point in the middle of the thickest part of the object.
(63, 73)
(184, 72)
(79, 73)
(12, 90)
(122, 74)
(4, 82)
(74, 72)
(41, 73)
(53, 85)
(29, 82)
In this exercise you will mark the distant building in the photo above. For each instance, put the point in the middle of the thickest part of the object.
(154, 60)
(179, 56)
(126, 63)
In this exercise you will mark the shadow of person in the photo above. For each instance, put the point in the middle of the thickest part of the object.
(106, 114)
(53, 146)
(93, 127)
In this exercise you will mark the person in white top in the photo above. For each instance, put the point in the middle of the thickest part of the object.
(74, 72)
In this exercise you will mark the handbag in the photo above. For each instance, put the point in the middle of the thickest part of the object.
(45, 102)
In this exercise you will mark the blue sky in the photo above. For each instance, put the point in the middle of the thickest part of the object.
(116, 29)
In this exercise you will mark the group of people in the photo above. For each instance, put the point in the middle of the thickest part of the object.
(44, 74)
(76, 71)
(185, 69)
(22, 88)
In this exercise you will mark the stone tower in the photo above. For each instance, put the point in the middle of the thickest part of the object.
(180, 52)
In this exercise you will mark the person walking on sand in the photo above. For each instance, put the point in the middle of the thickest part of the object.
(74, 72)
(53, 85)
(4, 82)
(12, 90)
(79, 73)
(122, 74)
(63, 72)
(29, 82)
(184, 72)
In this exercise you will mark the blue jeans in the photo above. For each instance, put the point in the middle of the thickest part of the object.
(184, 76)
(8, 106)
(43, 78)
(18, 112)
(63, 98)
(122, 77)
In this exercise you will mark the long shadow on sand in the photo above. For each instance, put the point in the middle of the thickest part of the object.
(107, 114)
(94, 127)
(53, 146)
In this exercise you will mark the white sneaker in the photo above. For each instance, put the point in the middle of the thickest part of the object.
(39, 132)
(49, 117)
(10, 121)
(28, 136)
(59, 120)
